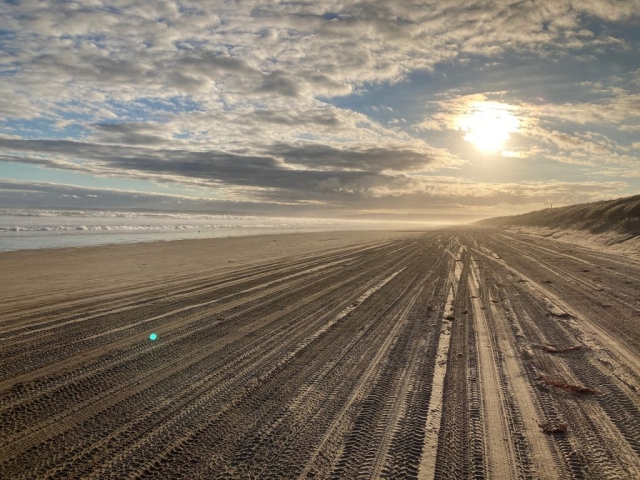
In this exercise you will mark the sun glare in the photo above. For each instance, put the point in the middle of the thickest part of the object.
(488, 125)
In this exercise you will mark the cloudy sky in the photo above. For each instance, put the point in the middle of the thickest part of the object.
(319, 107)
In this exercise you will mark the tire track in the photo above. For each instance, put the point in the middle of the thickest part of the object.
(588, 448)
(110, 397)
(501, 459)
(416, 358)
(460, 452)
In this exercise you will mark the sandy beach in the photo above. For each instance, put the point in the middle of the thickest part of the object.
(438, 354)
(44, 277)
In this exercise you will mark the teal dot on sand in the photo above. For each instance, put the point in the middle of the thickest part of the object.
(153, 336)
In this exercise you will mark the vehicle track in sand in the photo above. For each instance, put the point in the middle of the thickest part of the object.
(444, 354)
(137, 361)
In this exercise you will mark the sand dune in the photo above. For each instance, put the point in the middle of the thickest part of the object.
(442, 354)
(621, 215)
(613, 224)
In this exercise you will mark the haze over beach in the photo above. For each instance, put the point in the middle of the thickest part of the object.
(25, 229)
(320, 239)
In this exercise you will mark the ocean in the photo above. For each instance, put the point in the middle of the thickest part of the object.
(32, 229)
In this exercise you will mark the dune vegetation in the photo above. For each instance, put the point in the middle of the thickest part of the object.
(620, 216)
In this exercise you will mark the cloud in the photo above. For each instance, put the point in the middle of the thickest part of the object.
(277, 82)
(260, 99)
(298, 172)
(373, 159)
(149, 134)
(221, 49)
(16, 194)
(424, 196)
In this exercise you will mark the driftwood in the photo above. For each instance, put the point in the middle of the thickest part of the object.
(559, 314)
(553, 428)
(574, 389)
(550, 349)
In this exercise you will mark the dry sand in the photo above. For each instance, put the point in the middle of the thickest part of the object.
(40, 277)
(612, 242)
(441, 354)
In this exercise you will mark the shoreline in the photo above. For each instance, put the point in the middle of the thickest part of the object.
(14, 241)
(250, 234)
(136, 237)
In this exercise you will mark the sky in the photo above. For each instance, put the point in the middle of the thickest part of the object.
(319, 108)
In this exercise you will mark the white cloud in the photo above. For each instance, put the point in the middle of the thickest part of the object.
(237, 95)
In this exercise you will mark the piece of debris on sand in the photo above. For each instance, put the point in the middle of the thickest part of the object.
(567, 387)
(553, 428)
(558, 313)
(550, 349)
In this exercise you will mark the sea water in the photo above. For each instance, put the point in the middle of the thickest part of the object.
(30, 229)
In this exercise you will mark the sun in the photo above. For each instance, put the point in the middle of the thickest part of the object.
(488, 125)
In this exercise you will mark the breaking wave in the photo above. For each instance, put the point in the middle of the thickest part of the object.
(106, 228)
(27, 229)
